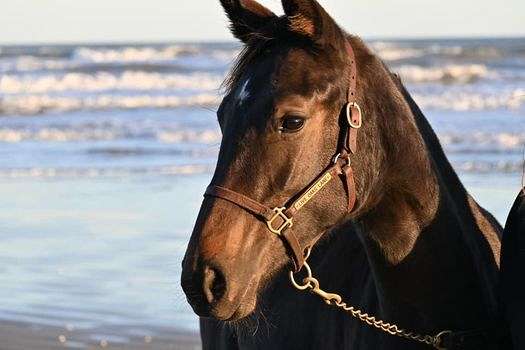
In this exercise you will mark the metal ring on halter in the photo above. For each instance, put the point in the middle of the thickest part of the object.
(308, 271)
(308, 284)
(336, 158)
(359, 122)
(308, 252)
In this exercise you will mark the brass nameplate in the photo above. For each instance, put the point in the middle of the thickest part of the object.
(313, 191)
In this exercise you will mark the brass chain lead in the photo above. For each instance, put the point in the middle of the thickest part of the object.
(311, 284)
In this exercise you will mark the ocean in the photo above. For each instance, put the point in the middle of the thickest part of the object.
(105, 151)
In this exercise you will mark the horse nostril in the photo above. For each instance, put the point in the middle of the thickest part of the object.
(214, 284)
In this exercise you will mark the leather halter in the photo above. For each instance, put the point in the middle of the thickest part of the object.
(279, 220)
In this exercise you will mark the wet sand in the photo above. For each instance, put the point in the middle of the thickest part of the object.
(22, 336)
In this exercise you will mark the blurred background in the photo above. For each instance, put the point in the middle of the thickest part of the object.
(108, 137)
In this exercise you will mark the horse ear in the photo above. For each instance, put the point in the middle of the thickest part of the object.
(247, 17)
(308, 18)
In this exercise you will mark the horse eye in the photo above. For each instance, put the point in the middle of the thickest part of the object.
(291, 124)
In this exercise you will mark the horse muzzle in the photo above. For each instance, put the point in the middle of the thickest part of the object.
(211, 294)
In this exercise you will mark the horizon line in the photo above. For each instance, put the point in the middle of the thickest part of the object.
(233, 41)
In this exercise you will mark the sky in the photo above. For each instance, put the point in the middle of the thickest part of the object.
(63, 21)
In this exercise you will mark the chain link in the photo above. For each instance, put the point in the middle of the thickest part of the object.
(311, 284)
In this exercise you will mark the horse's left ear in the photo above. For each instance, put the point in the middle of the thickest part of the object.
(247, 17)
(308, 18)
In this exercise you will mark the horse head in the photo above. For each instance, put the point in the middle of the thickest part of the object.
(283, 119)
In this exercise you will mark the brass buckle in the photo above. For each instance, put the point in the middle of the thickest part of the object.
(279, 213)
(349, 107)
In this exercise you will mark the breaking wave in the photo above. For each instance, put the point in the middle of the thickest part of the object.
(484, 141)
(391, 52)
(107, 133)
(471, 101)
(448, 74)
(454, 50)
(37, 104)
(98, 58)
(29, 64)
(489, 167)
(129, 80)
(132, 54)
(168, 170)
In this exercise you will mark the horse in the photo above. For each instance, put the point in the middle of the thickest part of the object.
(513, 269)
(329, 179)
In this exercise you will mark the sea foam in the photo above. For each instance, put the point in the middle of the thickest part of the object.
(37, 104)
(116, 172)
(447, 74)
(129, 80)
(107, 132)
(133, 54)
(464, 100)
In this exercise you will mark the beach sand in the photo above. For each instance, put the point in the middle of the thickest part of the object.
(24, 336)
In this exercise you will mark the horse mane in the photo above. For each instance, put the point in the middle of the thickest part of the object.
(249, 53)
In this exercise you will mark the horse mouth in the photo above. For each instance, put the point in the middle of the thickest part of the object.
(244, 310)
(229, 309)
(235, 311)
(226, 313)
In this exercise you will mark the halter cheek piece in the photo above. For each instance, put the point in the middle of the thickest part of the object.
(279, 220)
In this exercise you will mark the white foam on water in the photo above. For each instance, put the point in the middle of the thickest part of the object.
(37, 104)
(55, 135)
(50, 134)
(488, 167)
(30, 63)
(169, 170)
(392, 52)
(447, 74)
(132, 54)
(129, 80)
(471, 101)
(485, 140)
(396, 51)
(103, 57)
(207, 136)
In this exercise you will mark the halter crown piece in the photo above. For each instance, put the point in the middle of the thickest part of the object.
(279, 220)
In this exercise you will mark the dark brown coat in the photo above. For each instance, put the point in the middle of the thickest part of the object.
(417, 250)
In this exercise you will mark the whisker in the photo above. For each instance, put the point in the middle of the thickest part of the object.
(209, 109)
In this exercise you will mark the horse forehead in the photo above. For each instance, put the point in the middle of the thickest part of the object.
(301, 73)
(296, 73)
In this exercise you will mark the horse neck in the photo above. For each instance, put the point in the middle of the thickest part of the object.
(432, 250)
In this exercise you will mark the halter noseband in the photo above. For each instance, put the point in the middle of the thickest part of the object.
(279, 220)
